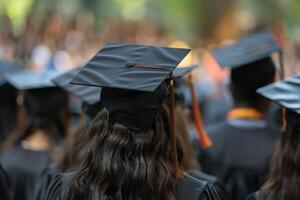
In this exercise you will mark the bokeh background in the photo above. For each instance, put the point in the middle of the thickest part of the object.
(63, 34)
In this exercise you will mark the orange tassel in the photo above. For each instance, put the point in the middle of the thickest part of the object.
(203, 138)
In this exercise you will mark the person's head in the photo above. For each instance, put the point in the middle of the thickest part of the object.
(284, 179)
(127, 158)
(47, 111)
(8, 110)
(246, 79)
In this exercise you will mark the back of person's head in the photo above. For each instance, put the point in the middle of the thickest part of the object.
(8, 110)
(119, 163)
(246, 79)
(284, 179)
(46, 110)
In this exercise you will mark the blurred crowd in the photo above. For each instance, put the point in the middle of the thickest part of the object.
(65, 44)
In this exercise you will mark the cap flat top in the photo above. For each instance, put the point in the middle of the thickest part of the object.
(182, 71)
(25, 79)
(286, 93)
(88, 94)
(6, 67)
(247, 50)
(130, 66)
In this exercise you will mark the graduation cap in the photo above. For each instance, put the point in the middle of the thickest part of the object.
(287, 94)
(130, 66)
(249, 49)
(89, 95)
(182, 71)
(132, 78)
(27, 80)
(6, 67)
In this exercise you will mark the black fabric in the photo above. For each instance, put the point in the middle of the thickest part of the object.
(89, 95)
(24, 169)
(39, 113)
(247, 50)
(248, 78)
(211, 180)
(91, 110)
(130, 66)
(4, 195)
(239, 157)
(293, 121)
(44, 182)
(285, 93)
(134, 109)
(189, 188)
(254, 196)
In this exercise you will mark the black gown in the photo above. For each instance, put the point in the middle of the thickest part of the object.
(24, 168)
(240, 155)
(256, 196)
(189, 188)
(3, 185)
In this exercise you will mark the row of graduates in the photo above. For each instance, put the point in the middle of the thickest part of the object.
(133, 142)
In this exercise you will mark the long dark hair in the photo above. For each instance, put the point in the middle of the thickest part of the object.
(119, 164)
(284, 179)
(46, 109)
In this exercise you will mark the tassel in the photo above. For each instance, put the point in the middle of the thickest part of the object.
(172, 133)
(282, 75)
(203, 138)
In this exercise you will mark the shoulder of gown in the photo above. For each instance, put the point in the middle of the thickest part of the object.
(253, 196)
(195, 189)
(188, 188)
(54, 191)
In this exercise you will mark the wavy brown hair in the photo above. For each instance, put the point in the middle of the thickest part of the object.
(284, 179)
(120, 164)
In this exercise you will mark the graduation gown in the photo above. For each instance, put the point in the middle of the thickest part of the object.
(188, 188)
(24, 168)
(3, 185)
(240, 155)
(210, 179)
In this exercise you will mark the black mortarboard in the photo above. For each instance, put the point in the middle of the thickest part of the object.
(130, 66)
(182, 71)
(247, 50)
(89, 95)
(6, 67)
(134, 73)
(286, 93)
(26, 80)
(132, 78)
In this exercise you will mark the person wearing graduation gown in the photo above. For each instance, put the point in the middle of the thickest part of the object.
(243, 144)
(284, 180)
(131, 151)
(27, 152)
(75, 140)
